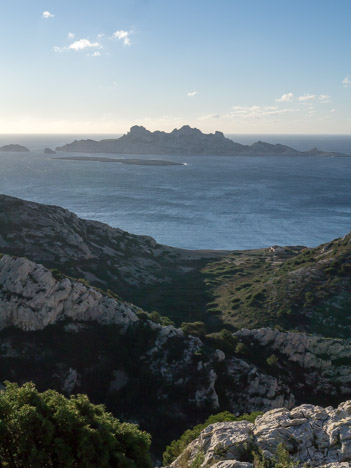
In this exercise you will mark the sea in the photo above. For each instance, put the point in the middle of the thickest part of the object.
(209, 202)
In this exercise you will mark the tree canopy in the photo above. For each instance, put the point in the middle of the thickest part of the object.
(46, 429)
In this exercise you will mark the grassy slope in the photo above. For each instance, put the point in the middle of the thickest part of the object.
(302, 288)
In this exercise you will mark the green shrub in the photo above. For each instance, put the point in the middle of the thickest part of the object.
(155, 317)
(241, 348)
(272, 360)
(194, 328)
(281, 459)
(49, 430)
(158, 318)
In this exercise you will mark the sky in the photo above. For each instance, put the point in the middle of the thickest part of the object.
(238, 66)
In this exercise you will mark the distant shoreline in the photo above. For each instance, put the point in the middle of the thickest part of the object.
(137, 162)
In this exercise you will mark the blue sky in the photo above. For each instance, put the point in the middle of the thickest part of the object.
(239, 66)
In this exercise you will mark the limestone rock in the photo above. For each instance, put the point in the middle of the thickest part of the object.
(31, 298)
(319, 437)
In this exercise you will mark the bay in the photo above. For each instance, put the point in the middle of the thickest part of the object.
(212, 202)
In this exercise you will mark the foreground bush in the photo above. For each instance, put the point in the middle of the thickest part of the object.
(48, 430)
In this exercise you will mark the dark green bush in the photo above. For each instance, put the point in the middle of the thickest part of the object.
(49, 430)
(194, 328)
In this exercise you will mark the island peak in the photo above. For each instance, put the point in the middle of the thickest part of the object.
(183, 141)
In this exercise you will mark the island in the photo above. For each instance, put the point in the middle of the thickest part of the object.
(49, 151)
(14, 149)
(185, 141)
(138, 162)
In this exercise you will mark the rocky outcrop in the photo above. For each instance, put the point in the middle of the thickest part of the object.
(49, 151)
(31, 299)
(316, 436)
(14, 148)
(184, 141)
(326, 361)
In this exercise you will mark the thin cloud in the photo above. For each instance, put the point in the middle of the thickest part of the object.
(307, 97)
(71, 35)
(123, 36)
(247, 112)
(192, 93)
(95, 54)
(287, 97)
(346, 82)
(324, 99)
(210, 117)
(47, 15)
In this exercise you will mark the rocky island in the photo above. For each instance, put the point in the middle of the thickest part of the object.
(14, 148)
(185, 141)
(49, 151)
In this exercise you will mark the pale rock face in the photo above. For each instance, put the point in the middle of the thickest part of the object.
(319, 437)
(313, 353)
(31, 298)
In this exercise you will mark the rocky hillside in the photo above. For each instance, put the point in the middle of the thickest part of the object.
(184, 141)
(301, 288)
(67, 335)
(307, 289)
(308, 435)
(135, 267)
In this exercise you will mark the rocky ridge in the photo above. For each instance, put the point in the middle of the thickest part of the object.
(31, 299)
(184, 141)
(313, 436)
(132, 266)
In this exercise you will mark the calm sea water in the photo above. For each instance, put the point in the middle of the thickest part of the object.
(212, 202)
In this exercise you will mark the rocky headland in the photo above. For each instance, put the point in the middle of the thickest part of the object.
(183, 141)
(12, 148)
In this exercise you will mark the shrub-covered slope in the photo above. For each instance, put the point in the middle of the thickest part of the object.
(295, 287)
